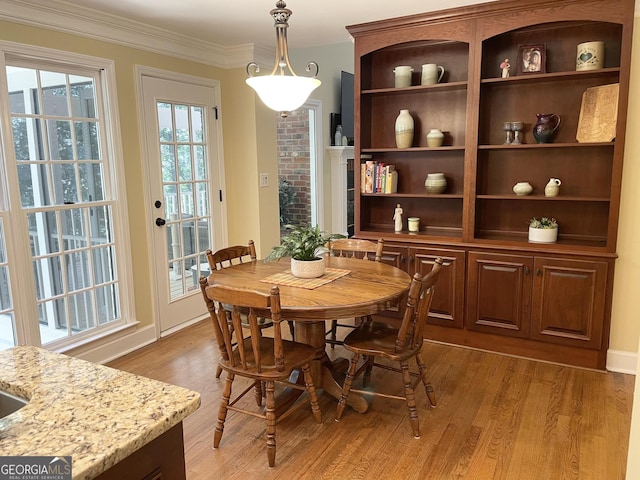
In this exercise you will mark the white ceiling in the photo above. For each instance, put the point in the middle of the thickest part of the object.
(238, 22)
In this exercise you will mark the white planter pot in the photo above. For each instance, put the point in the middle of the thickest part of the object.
(543, 235)
(307, 268)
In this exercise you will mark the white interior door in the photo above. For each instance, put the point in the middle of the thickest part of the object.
(183, 170)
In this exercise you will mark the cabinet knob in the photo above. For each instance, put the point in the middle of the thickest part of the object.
(410, 258)
(526, 270)
(538, 272)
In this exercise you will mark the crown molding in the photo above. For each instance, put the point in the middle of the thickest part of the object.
(62, 17)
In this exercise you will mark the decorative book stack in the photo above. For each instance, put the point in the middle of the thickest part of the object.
(378, 177)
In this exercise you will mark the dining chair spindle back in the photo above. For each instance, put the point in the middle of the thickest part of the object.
(352, 248)
(227, 257)
(395, 344)
(262, 359)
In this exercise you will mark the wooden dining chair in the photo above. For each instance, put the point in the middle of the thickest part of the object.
(227, 257)
(261, 359)
(377, 339)
(235, 255)
(352, 248)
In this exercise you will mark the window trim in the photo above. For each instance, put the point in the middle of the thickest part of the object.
(27, 332)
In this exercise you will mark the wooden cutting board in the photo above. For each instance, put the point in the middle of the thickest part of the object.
(598, 114)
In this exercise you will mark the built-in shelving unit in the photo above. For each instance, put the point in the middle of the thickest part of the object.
(479, 214)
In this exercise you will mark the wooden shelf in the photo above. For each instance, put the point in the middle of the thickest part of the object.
(542, 198)
(564, 241)
(525, 146)
(425, 233)
(416, 89)
(413, 195)
(553, 77)
(413, 149)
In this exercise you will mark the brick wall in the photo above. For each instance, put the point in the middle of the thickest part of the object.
(294, 167)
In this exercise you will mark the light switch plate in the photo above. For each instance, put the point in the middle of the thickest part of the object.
(264, 179)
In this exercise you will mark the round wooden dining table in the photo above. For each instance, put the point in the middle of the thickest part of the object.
(361, 288)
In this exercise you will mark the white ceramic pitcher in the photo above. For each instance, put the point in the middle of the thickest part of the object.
(431, 74)
(552, 188)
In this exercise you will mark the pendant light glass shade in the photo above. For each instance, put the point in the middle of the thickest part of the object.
(282, 90)
(283, 93)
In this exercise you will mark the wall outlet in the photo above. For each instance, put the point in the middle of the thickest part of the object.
(264, 179)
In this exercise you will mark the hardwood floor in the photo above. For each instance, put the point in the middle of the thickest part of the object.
(498, 417)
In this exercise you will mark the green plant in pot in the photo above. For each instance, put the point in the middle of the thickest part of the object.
(305, 245)
(544, 230)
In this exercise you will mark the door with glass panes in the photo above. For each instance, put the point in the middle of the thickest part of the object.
(181, 135)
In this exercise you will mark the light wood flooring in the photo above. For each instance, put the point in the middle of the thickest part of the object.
(498, 417)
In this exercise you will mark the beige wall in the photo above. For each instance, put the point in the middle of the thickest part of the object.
(626, 317)
(249, 138)
(625, 323)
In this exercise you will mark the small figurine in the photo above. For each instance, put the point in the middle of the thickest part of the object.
(397, 216)
(505, 66)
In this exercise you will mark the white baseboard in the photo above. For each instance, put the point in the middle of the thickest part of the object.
(105, 352)
(622, 362)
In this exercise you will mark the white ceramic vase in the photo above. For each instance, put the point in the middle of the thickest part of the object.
(522, 188)
(543, 235)
(435, 183)
(435, 138)
(404, 129)
(307, 268)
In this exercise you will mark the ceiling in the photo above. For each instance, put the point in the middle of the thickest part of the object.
(238, 22)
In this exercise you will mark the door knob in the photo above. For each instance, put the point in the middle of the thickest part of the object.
(160, 221)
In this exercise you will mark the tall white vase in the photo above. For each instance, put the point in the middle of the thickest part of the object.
(404, 129)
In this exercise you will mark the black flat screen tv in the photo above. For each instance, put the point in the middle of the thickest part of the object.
(346, 105)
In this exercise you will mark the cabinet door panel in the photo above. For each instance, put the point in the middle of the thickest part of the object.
(448, 302)
(499, 293)
(396, 256)
(569, 299)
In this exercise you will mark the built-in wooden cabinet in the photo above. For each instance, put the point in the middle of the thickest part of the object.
(447, 307)
(548, 299)
(506, 294)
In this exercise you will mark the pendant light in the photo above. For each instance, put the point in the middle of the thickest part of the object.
(282, 90)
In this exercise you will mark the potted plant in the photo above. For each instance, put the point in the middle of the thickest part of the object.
(305, 246)
(544, 230)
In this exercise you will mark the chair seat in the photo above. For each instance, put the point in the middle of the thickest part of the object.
(295, 354)
(376, 338)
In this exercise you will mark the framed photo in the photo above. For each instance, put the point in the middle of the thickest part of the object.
(531, 59)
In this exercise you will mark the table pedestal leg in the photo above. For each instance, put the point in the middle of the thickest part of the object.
(322, 369)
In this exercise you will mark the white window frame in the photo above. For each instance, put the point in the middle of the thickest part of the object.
(316, 158)
(21, 271)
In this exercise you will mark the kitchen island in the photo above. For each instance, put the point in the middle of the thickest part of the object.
(113, 424)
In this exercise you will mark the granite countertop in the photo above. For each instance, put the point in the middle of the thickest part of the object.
(96, 414)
